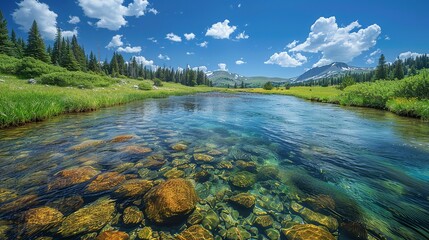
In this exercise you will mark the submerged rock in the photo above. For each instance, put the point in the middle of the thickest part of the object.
(198, 157)
(19, 203)
(179, 147)
(170, 200)
(196, 217)
(247, 166)
(145, 233)
(195, 232)
(314, 217)
(148, 174)
(134, 188)
(67, 205)
(113, 235)
(245, 200)
(153, 162)
(41, 219)
(105, 181)
(90, 218)
(225, 165)
(86, 144)
(268, 173)
(132, 215)
(211, 220)
(136, 149)
(320, 202)
(174, 173)
(70, 177)
(122, 138)
(272, 234)
(307, 231)
(202, 176)
(215, 152)
(264, 221)
(237, 233)
(243, 179)
(7, 194)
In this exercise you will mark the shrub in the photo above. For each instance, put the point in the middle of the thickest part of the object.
(268, 86)
(8, 65)
(347, 81)
(415, 86)
(30, 68)
(157, 82)
(374, 94)
(75, 79)
(145, 86)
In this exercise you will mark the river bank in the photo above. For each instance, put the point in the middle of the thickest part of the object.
(21, 102)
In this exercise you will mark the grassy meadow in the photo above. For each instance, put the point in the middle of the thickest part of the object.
(21, 102)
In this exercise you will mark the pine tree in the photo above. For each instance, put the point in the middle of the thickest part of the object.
(92, 63)
(5, 43)
(381, 72)
(78, 53)
(56, 51)
(68, 60)
(36, 45)
(399, 70)
(17, 49)
(242, 84)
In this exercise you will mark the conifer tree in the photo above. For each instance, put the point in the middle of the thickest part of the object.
(68, 60)
(381, 72)
(56, 51)
(17, 49)
(399, 70)
(5, 43)
(92, 63)
(78, 53)
(35, 45)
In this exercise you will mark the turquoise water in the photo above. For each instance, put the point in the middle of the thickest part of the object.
(373, 165)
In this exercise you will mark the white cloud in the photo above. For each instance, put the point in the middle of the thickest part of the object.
(201, 68)
(409, 54)
(292, 44)
(115, 42)
(153, 10)
(369, 61)
(338, 44)
(221, 30)
(69, 34)
(173, 37)
(283, 59)
(74, 20)
(111, 13)
(189, 36)
(387, 38)
(222, 67)
(240, 62)
(144, 61)
(376, 52)
(164, 57)
(190, 53)
(130, 49)
(242, 35)
(203, 44)
(239, 5)
(152, 39)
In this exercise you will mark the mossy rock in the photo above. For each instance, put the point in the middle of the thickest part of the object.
(145, 233)
(73, 176)
(132, 215)
(268, 173)
(199, 157)
(202, 176)
(237, 233)
(134, 188)
(246, 165)
(243, 179)
(195, 232)
(264, 221)
(179, 147)
(122, 138)
(307, 231)
(104, 182)
(86, 144)
(41, 219)
(113, 235)
(245, 200)
(174, 173)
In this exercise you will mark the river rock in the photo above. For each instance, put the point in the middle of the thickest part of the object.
(211, 221)
(7, 194)
(90, 218)
(113, 235)
(86, 144)
(320, 202)
(105, 181)
(247, 166)
(170, 200)
(268, 173)
(264, 221)
(195, 232)
(136, 149)
(153, 162)
(145, 233)
(307, 231)
(70, 177)
(237, 233)
(202, 176)
(243, 179)
(245, 200)
(132, 215)
(19, 203)
(134, 188)
(174, 173)
(179, 147)
(199, 157)
(67, 205)
(215, 152)
(41, 219)
(314, 217)
(272, 234)
(122, 138)
(196, 217)
(225, 165)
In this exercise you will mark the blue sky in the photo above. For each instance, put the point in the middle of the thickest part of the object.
(253, 38)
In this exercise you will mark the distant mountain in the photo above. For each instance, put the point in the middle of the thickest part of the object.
(331, 70)
(224, 78)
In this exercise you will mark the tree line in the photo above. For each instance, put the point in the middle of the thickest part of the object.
(72, 56)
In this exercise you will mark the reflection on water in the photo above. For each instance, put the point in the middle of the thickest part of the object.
(262, 166)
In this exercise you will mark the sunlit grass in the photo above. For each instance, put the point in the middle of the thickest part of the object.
(21, 102)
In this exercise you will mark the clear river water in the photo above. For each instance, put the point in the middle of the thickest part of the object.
(365, 170)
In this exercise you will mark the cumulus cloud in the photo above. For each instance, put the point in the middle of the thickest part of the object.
(190, 53)
(338, 44)
(111, 13)
(30, 10)
(203, 44)
(292, 44)
(69, 34)
(221, 30)
(153, 10)
(152, 39)
(115, 42)
(173, 37)
(189, 36)
(74, 20)
(242, 35)
(369, 61)
(164, 57)
(240, 62)
(129, 49)
(409, 54)
(222, 67)
(145, 62)
(201, 68)
(283, 59)
(376, 52)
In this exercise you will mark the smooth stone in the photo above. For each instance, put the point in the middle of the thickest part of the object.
(70, 177)
(264, 221)
(105, 181)
(145, 233)
(153, 162)
(245, 200)
(134, 188)
(132, 215)
(86, 144)
(202, 176)
(320, 202)
(237, 233)
(211, 221)
(113, 235)
(247, 166)
(315, 217)
(199, 157)
(148, 174)
(7, 195)
(272, 234)
(307, 231)
(19, 203)
(122, 138)
(136, 149)
(225, 165)
(179, 147)
(268, 173)
(41, 219)
(195, 232)
(214, 152)
(243, 179)
(67, 205)
(196, 217)
(170, 200)
(90, 218)
(174, 173)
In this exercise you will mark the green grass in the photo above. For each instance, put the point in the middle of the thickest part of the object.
(21, 102)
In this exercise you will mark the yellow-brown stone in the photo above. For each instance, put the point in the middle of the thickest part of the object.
(113, 235)
(195, 232)
(105, 181)
(246, 200)
(174, 173)
(132, 215)
(307, 231)
(315, 217)
(86, 144)
(41, 219)
(179, 147)
(137, 149)
(134, 188)
(122, 138)
(199, 157)
(70, 177)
